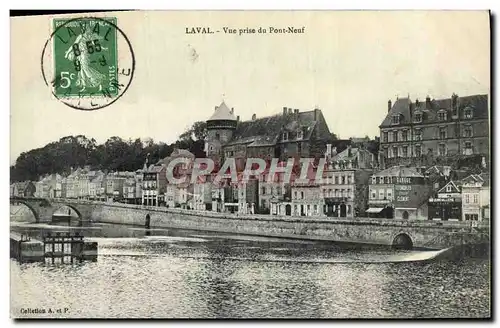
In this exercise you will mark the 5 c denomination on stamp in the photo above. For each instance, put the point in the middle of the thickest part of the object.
(87, 62)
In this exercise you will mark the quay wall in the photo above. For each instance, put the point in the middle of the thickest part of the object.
(423, 234)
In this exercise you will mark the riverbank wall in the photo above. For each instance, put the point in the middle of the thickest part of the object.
(420, 234)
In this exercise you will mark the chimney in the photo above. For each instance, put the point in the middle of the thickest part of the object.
(428, 102)
(254, 117)
(296, 111)
(417, 103)
(290, 110)
(215, 107)
(284, 111)
(328, 149)
(389, 106)
(238, 118)
(232, 110)
(349, 152)
(454, 101)
(316, 113)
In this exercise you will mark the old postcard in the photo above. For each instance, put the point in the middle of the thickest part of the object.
(250, 164)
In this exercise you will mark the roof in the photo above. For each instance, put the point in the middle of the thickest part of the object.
(404, 107)
(222, 113)
(344, 155)
(455, 185)
(266, 131)
(399, 171)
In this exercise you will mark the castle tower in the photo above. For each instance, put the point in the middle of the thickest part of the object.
(220, 128)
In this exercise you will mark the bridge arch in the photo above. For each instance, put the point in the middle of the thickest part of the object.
(29, 206)
(59, 206)
(402, 240)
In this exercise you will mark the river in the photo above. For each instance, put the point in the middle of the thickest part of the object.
(169, 273)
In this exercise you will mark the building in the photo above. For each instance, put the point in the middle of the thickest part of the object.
(23, 189)
(399, 192)
(447, 203)
(476, 197)
(114, 185)
(97, 187)
(434, 131)
(307, 199)
(345, 181)
(154, 181)
(291, 134)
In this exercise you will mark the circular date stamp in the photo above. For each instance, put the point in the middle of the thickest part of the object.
(88, 62)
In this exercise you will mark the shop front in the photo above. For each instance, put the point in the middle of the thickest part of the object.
(445, 209)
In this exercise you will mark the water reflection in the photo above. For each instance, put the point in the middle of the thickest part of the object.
(168, 273)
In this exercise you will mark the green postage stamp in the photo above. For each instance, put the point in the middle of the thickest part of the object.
(85, 57)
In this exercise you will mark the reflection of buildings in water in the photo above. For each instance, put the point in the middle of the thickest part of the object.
(351, 290)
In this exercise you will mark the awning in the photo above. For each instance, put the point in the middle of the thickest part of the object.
(374, 210)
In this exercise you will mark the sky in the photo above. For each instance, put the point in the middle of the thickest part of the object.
(349, 64)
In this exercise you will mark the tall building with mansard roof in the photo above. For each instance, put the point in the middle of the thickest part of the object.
(429, 132)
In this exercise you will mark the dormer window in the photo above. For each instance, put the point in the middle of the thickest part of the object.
(300, 135)
(448, 188)
(468, 112)
(418, 118)
(442, 115)
(285, 136)
(395, 119)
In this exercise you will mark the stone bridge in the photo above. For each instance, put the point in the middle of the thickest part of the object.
(43, 209)
(391, 232)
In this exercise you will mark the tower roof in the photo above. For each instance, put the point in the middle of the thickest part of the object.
(222, 113)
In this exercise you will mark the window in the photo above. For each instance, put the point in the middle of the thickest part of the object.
(395, 119)
(418, 150)
(374, 180)
(385, 136)
(315, 208)
(300, 134)
(467, 199)
(394, 151)
(468, 148)
(343, 179)
(448, 188)
(468, 131)
(336, 179)
(285, 136)
(348, 193)
(217, 136)
(389, 194)
(442, 150)
(386, 152)
(349, 179)
(405, 135)
(468, 113)
(417, 135)
(418, 118)
(301, 195)
(442, 133)
(299, 148)
(476, 199)
(263, 192)
(395, 136)
(442, 115)
(405, 151)
(374, 194)
(381, 194)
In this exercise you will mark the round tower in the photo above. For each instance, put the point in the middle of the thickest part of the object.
(220, 128)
